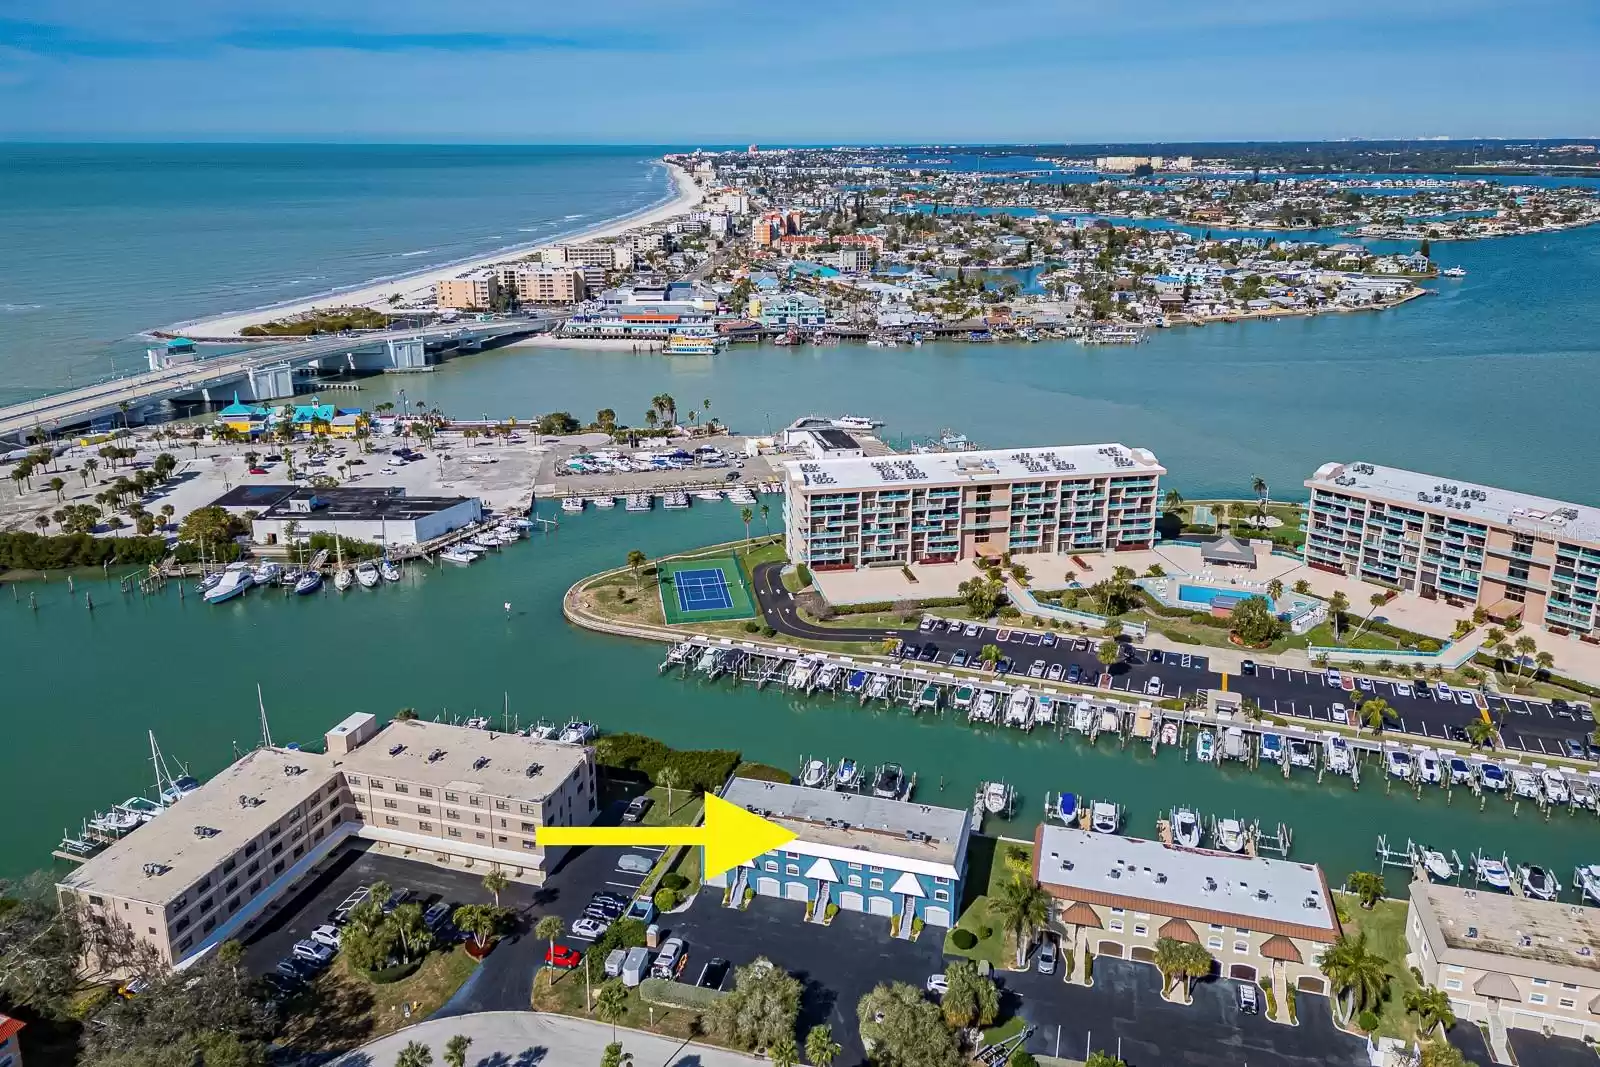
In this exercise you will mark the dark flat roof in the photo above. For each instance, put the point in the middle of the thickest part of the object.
(255, 496)
(346, 502)
(836, 438)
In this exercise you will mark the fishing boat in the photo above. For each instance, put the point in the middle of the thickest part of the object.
(1205, 749)
(234, 581)
(1186, 828)
(676, 655)
(1231, 835)
(805, 668)
(847, 777)
(576, 732)
(1083, 717)
(828, 675)
(1437, 864)
(930, 696)
(1460, 771)
(1399, 763)
(1019, 709)
(984, 711)
(856, 682)
(890, 781)
(1524, 784)
(963, 698)
(878, 688)
(1587, 879)
(1064, 807)
(572, 503)
(1169, 733)
(1583, 793)
(709, 661)
(1301, 753)
(367, 574)
(1340, 759)
(1428, 767)
(815, 773)
(603, 501)
(1105, 817)
(456, 554)
(1538, 883)
(1272, 748)
(997, 797)
(389, 569)
(1044, 709)
(208, 583)
(308, 582)
(1555, 787)
(1493, 776)
(1493, 873)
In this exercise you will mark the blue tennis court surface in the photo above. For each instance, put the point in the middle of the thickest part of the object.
(702, 590)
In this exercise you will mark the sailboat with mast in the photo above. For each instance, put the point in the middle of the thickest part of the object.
(342, 578)
(169, 788)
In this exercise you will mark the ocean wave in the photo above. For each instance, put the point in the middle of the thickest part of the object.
(493, 237)
(575, 216)
(418, 252)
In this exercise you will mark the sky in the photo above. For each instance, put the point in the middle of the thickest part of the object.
(811, 72)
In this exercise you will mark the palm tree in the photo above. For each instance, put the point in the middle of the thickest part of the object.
(1544, 660)
(548, 928)
(783, 1052)
(495, 883)
(1525, 647)
(651, 418)
(415, 1054)
(612, 1003)
(615, 1057)
(669, 778)
(43, 522)
(1352, 970)
(1181, 961)
(821, 1048)
(1338, 604)
(455, 1051)
(1275, 589)
(765, 529)
(745, 515)
(1174, 500)
(1021, 906)
(1431, 1006)
(1375, 713)
(1480, 732)
(636, 559)
(1258, 486)
(1367, 886)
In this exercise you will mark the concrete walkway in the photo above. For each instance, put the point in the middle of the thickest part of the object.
(534, 1039)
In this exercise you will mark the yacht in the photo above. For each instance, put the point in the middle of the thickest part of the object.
(1233, 746)
(267, 573)
(984, 710)
(710, 496)
(1105, 817)
(390, 570)
(1454, 272)
(603, 501)
(848, 775)
(1492, 873)
(815, 773)
(1231, 835)
(1339, 758)
(856, 422)
(235, 580)
(1587, 880)
(890, 782)
(1428, 767)
(1538, 883)
(576, 733)
(1186, 828)
(308, 582)
(572, 503)
(1044, 709)
(828, 675)
(1493, 777)
(1460, 771)
(804, 669)
(456, 554)
(1437, 864)
(1272, 748)
(1205, 746)
(1019, 708)
(1555, 787)
(1399, 761)
(710, 661)
(856, 682)
(1524, 784)
(1083, 717)
(963, 698)
(367, 574)
(997, 797)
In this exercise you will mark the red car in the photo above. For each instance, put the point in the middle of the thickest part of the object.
(258, 470)
(562, 956)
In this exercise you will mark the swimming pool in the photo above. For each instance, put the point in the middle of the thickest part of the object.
(1205, 594)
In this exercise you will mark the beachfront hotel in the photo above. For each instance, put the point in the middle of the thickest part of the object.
(941, 507)
(205, 867)
(1471, 545)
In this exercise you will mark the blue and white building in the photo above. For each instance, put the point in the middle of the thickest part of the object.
(893, 858)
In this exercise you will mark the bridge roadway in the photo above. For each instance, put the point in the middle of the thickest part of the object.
(83, 405)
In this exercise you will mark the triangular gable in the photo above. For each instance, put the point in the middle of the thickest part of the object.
(907, 883)
(822, 870)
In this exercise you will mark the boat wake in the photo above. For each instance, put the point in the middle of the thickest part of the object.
(418, 252)
(7, 309)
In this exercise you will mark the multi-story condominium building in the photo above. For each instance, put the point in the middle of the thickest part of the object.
(1261, 919)
(608, 256)
(478, 292)
(779, 310)
(1507, 960)
(1473, 545)
(855, 852)
(948, 506)
(535, 283)
(205, 867)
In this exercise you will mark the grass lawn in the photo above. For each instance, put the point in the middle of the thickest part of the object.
(770, 552)
(685, 811)
(1385, 927)
(985, 869)
(1322, 635)
(1010, 1028)
(342, 1009)
(621, 598)
(565, 995)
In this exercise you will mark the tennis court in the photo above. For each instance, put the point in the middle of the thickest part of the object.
(704, 590)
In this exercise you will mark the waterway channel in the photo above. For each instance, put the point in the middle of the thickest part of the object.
(83, 689)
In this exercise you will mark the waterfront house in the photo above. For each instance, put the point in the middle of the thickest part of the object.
(893, 858)
(244, 418)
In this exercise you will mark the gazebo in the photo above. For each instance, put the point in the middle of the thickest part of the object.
(1228, 550)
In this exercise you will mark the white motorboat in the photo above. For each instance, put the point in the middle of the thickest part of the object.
(1428, 767)
(856, 422)
(1587, 879)
(712, 496)
(235, 580)
(815, 774)
(1301, 753)
(1399, 761)
(1044, 709)
(477, 722)
(1205, 746)
(344, 578)
(639, 502)
(1019, 708)
(308, 582)
(603, 501)
(1169, 733)
(1538, 883)
(878, 688)
(1524, 784)
(572, 503)
(1272, 748)
(1186, 828)
(1555, 787)
(1437, 864)
(1233, 746)
(457, 555)
(828, 675)
(543, 731)
(1460, 771)
(1105, 817)
(1231, 835)
(997, 797)
(1339, 758)
(1109, 720)
(266, 573)
(390, 570)
(367, 574)
(1493, 777)
(1492, 873)
(1454, 272)
(576, 733)
(471, 548)
(1083, 717)
(208, 583)
(847, 776)
(804, 669)
(984, 709)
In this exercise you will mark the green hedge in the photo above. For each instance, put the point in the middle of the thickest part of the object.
(698, 770)
(390, 975)
(678, 994)
(35, 552)
(1573, 684)
(763, 772)
(874, 607)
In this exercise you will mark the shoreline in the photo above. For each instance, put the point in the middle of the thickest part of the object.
(224, 328)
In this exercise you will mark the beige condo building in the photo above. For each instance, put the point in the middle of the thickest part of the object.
(204, 868)
(479, 292)
(535, 283)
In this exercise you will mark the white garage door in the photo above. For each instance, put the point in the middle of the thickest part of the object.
(767, 887)
(796, 891)
(936, 916)
(880, 906)
(849, 901)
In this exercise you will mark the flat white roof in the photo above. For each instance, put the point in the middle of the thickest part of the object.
(956, 468)
(1468, 500)
(449, 756)
(1179, 880)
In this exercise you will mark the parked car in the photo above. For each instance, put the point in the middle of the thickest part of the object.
(292, 969)
(562, 956)
(938, 985)
(1464, 696)
(312, 952)
(926, 625)
(910, 650)
(713, 974)
(958, 658)
(671, 959)
(1249, 998)
(972, 630)
(1155, 655)
(435, 916)
(326, 934)
(1153, 687)
(1074, 673)
(1364, 683)
(589, 928)
(635, 864)
(1402, 689)
(1054, 673)
(1248, 667)
(1575, 748)
(1036, 670)
(1333, 678)
(1047, 957)
(1004, 666)
(1047, 641)
(1458, 734)
(636, 808)
(930, 653)
(396, 898)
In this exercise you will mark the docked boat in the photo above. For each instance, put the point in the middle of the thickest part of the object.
(344, 578)
(367, 574)
(1302, 753)
(1109, 719)
(1587, 880)
(929, 698)
(1555, 787)
(456, 554)
(1105, 817)
(234, 582)
(963, 698)
(856, 422)
(997, 798)
(890, 781)
(1169, 733)
(695, 344)
(709, 661)
(477, 722)
(805, 668)
(308, 582)
(1233, 746)
(675, 500)
(1083, 718)
(572, 503)
(576, 732)
(178, 788)
(1524, 784)
(828, 675)
(676, 654)
(1460, 771)
(208, 583)
(1428, 769)
(544, 731)
(1272, 748)
(639, 502)
(1437, 864)
(878, 688)
(856, 682)
(1399, 763)
(1231, 835)
(741, 495)
(266, 573)
(1583, 793)
(847, 777)
(1044, 709)
(815, 773)
(603, 501)
(1063, 807)
(711, 496)
(1537, 882)
(1019, 709)
(1186, 828)
(389, 570)
(1493, 776)
(984, 711)
(1205, 746)
(1339, 758)
(1493, 873)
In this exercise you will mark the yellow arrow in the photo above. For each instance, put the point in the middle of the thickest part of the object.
(730, 836)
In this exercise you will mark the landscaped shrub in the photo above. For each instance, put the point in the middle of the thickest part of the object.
(389, 975)
(698, 770)
(678, 994)
(35, 552)
(751, 627)
(665, 899)
(674, 881)
(963, 939)
(763, 772)
(985, 933)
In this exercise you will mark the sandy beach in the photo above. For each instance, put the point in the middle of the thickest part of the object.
(409, 286)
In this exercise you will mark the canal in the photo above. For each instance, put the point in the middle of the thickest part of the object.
(85, 687)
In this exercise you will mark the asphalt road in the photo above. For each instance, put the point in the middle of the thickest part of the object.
(1529, 725)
